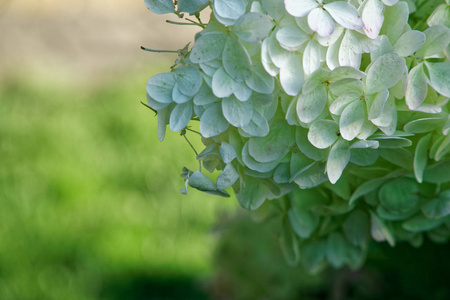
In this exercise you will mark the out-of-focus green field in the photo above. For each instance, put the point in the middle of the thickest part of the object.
(89, 199)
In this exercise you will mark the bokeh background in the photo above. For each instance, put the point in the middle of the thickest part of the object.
(90, 206)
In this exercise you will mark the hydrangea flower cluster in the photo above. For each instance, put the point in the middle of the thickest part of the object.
(336, 111)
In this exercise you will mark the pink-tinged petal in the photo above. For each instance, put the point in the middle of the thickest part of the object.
(373, 18)
(344, 14)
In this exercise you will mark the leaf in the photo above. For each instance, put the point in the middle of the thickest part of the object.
(311, 57)
(178, 96)
(357, 227)
(274, 8)
(372, 17)
(377, 105)
(227, 178)
(303, 222)
(311, 105)
(205, 96)
(341, 102)
(191, 6)
(288, 244)
(437, 208)
(366, 188)
(384, 73)
(273, 146)
(323, 133)
(440, 77)
(400, 157)
(189, 80)
(201, 182)
(380, 232)
(222, 84)
(291, 38)
(208, 46)
(231, 9)
(291, 75)
(227, 152)
(257, 126)
(336, 252)
(393, 142)
(421, 224)
(312, 177)
(160, 6)
(236, 60)
(213, 122)
(437, 39)
(236, 112)
(416, 87)
(319, 20)
(337, 160)
(300, 8)
(388, 116)
(255, 165)
(396, 17)
(409, 42)
(304, 145)
(252, 193)
(180, 116)
(424, 125)
(421, 157)
(163, 119)
(352, 120)
(260, 81)
(313, 255)
(252, 27)
(160, 87)
(344, 14)
(399, 196)
(242, 91)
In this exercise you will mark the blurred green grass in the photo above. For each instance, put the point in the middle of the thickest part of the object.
(90, 202)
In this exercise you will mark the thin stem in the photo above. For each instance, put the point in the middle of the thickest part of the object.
(154, 110)
(193, 131)
(183, 133)
(158, 51)
(181, 23)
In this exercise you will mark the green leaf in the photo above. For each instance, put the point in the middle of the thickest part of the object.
(205, 96)
(192, 6)
(377, 105)
(311, 57)
(160, 6)
(424, 125)
(385, 72)
(422, 224)
(258, 125)
(277, 54)
(255, 165)
(227, 178)
(366, 188)
(178, 96)
(437, 39)
(299, 163)
(443, 149)
(440, 77)
(189, 79)
(273, 146)
(274, 8)
(337, 160)
(291, 75)
(416, 87)
(409, 42)
(341, 102)
(236, 60)
(336, 252)
(222, 84)
(252, 193)
(395, 19)
(304, 145)
(260, 81)
(303, 222)
(323, 133)
(437, 208)
(236, 112)
(437, 173)
(163, 119)
(231, 9)
(213, 122)
(208, 46)
(291, 38)
(252, 27)
(227, 152)
(400, 157)
(180, 116)
(313, 255)
(357, 227)
(380, 232)
(312, 177)
(421, 157)
(160, 87)
(399, 196)
(352, 120)
(391, 142)
(311, 105)
(289, 244)
(201, 182)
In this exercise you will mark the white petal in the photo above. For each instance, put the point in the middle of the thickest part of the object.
(300, 8)
(320, 21)
(344, 14)
(409, 43)
(373, 18)
(311, 57)
(291, 75)
(350, 51)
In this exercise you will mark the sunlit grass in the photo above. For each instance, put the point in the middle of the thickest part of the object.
(89, 195)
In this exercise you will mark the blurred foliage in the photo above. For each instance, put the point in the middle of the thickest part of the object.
(89, 209)
(249, 264)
